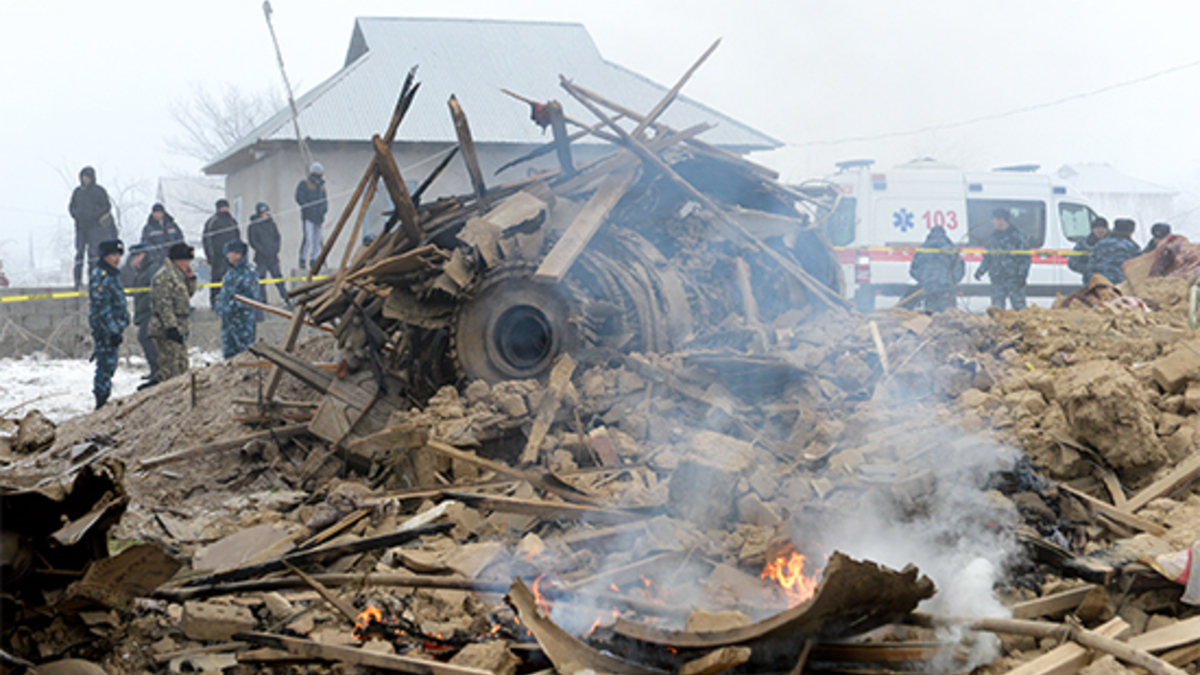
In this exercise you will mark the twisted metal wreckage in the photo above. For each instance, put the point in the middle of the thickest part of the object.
(669, 242)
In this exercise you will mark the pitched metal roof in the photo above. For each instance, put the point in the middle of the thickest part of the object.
(473, 59)
(1101, 177)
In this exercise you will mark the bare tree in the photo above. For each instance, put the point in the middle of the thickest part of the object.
(211, 121)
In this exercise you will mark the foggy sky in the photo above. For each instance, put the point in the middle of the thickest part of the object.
(91, 82)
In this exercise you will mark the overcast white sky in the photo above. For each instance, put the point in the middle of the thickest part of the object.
(91, 82)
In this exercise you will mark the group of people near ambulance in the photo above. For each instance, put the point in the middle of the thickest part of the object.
(938, 267)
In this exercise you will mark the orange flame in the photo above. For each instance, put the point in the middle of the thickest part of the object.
(787, 570)
(532, 553)
(362, 623)
(537, 595)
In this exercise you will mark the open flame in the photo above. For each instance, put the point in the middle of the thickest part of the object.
(537, 595)
(787, 570)
(365, 619)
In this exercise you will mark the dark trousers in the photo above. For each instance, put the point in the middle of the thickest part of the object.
(87, 249)
(268, 268)
(939, 300)
(148, 347)
(1013, 291)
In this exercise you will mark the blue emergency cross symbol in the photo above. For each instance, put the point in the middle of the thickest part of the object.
(902, 220)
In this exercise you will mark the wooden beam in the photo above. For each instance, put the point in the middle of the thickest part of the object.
(289, 343)
(1118, 515)
(1051, 604)
(433, 175)
(819, 290)
(545, 509)
(280, 433)
(587, 223)
(1169, 637)
(560, 381)
(278, 312)
(392, 178)
(556, 486)
(1183, 473)
(562, 140)
(652, 116)
(358, 657)
(467, 145)
(1068, 658)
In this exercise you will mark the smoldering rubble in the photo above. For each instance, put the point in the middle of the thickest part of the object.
(615, 418)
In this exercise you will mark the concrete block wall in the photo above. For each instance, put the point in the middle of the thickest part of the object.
(57, 326)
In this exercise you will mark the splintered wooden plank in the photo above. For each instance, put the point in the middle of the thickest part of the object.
(1120, 516)
(1168, 637)
(579, 233)
(467, 145)
(1181, 475)
(652, 116)
(1068, 658)
(394, 180)
(1051, 604)
(358, 657)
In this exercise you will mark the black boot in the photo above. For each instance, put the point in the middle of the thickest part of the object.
(148, 383)
(101, 399)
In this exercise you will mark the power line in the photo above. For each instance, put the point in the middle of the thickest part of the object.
(1002, 115)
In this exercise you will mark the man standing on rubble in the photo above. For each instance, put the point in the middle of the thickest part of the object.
(159, 233)
(1079, 263)
(1006, 262)
(171, 310)
(313, 201)
(237, 318)
(1158, 234)
(1113, 251)
(264, 238)
(93, 221)
(108, 316)
(219, 230)
(938, 268)
(137, 275)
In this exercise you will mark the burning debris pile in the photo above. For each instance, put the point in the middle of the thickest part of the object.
(612, 419)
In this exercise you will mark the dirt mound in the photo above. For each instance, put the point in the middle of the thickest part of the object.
(1109, 409)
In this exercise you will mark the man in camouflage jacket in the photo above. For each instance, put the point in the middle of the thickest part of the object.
(237, 318)
(171, 291)
(1007, 262)
(108, 316)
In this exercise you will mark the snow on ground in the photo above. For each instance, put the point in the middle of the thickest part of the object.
(62, 388)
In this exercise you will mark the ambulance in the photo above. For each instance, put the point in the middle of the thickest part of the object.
(880, 217)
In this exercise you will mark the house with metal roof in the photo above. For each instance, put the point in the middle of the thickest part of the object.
(469, 58)
(1116, 194)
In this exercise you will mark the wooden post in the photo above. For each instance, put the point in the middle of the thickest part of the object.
(467, 145)
(658, 110)
(394, 181)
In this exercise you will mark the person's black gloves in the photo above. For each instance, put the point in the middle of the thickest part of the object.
(174, 335)
(978, 275)
(115, 340)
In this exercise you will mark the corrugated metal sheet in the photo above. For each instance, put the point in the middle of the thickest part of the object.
(474, 59)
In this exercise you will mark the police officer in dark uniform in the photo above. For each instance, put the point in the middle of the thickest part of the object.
(1006, 262)
(938, 267)
(1113, 251)
(108, 316)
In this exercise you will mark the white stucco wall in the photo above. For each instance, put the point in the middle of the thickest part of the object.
(273, 180)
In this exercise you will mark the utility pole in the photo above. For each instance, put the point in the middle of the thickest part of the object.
(305, 154)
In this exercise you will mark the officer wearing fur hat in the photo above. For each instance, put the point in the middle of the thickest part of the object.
(171, 292)
(1158, 234)
(313, 201)
(237, 318)
(108, 316)
(1113, 251)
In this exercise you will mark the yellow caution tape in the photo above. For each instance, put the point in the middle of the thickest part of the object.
(63, 295)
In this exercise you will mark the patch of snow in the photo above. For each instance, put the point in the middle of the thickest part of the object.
(62, 388)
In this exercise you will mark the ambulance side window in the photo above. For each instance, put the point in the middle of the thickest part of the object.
(1028, 216)
(1076, 220)
(839, 226)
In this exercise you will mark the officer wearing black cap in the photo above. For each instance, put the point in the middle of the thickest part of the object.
(1113, 251)
(137, 275)
(220, 229)
(108, 316)
(263, 235)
